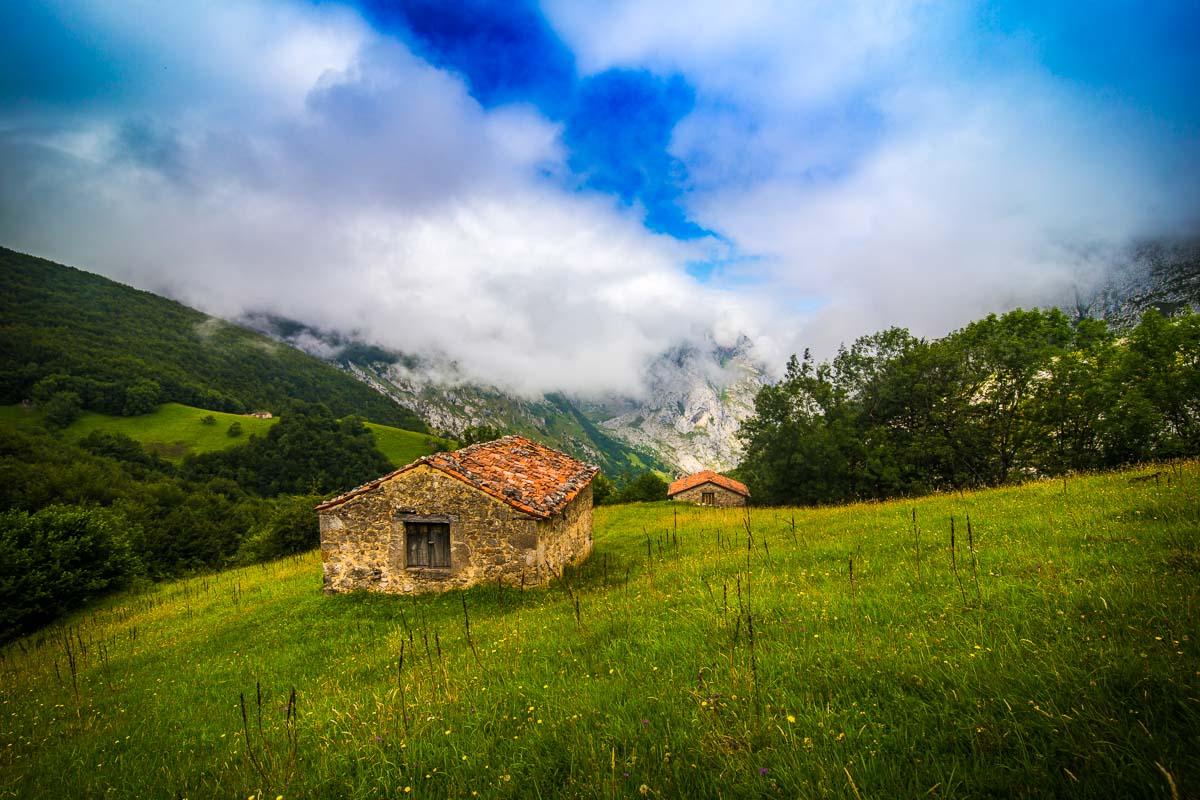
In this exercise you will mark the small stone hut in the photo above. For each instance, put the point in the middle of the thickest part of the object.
(709, 488)
(511, 510)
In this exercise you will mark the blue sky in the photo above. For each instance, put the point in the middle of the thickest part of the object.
(552, 193)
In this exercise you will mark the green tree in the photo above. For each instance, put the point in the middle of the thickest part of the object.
(645, 488)
(62, 409)
(235, 429)
(57, 559)
(603, 490)
(141, 398)
(290, 527)
(308, 451)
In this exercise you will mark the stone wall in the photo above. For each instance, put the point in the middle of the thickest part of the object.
(363, 539)
(566, 538)
(722, 497)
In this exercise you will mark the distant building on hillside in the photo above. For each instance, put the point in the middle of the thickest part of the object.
(709, 488)
(510, 510)
(260, 414)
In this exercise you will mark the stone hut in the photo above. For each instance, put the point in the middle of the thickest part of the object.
(709, 488)
(510, 510)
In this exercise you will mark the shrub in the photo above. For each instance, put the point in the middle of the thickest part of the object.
(57, 559)
(62, 409)
(141, 398)
(235, 430)
(122, 448)
(645, 488)
(291, 528)
(208, 419)
(603, 490)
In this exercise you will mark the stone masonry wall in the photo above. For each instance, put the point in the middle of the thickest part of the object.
(566, 538)
(723, 498)
(363, 539)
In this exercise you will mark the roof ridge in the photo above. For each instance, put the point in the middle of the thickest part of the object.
(567, 478)
(707, 476)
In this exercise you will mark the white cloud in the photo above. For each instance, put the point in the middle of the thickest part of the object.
(887, 164)
(280, 156)
(380, 199)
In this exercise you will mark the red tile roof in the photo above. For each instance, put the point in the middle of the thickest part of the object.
(526, 475)
(707, 476)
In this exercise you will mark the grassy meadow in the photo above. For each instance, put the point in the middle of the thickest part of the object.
(794, 653)
(174, 430)
(401, 446)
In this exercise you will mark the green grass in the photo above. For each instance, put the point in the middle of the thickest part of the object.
(174, 430)
(686, 662)
(401, 446)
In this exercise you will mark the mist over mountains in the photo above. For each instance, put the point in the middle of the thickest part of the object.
(695, 394)
(1159, 274)
(686, 418)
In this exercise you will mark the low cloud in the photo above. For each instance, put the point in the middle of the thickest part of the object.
(887, 164)
(858, 166)
(387, 204)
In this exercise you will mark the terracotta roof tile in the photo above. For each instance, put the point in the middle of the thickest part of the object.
(528, 476)
(707, 476)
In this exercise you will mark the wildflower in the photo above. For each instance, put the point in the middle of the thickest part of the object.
(645, 722)
(644, 789)
(763, 770)
(791, 718)
(407, 789)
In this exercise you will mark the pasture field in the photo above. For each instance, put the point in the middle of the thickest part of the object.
(698, 653)
(174, 430)
(401, 446)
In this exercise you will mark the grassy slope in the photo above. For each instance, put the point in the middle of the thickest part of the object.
(1073, 671)
(175, 430)
(401, 446)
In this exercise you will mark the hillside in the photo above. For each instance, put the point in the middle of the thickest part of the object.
(105, 338)
(696, 397)
(450, 402)
(174, 430)
(835, 653)
(1159, 274)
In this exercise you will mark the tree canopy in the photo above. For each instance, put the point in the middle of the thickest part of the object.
(1019, 394)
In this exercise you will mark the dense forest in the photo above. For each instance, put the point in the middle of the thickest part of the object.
(1023, 394)
(81, 340)
(77, 521)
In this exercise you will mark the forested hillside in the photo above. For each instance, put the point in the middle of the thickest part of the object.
(122, 351)
(1028, 393)
(79, 519)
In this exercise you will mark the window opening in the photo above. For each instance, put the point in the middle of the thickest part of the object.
(428, 544)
